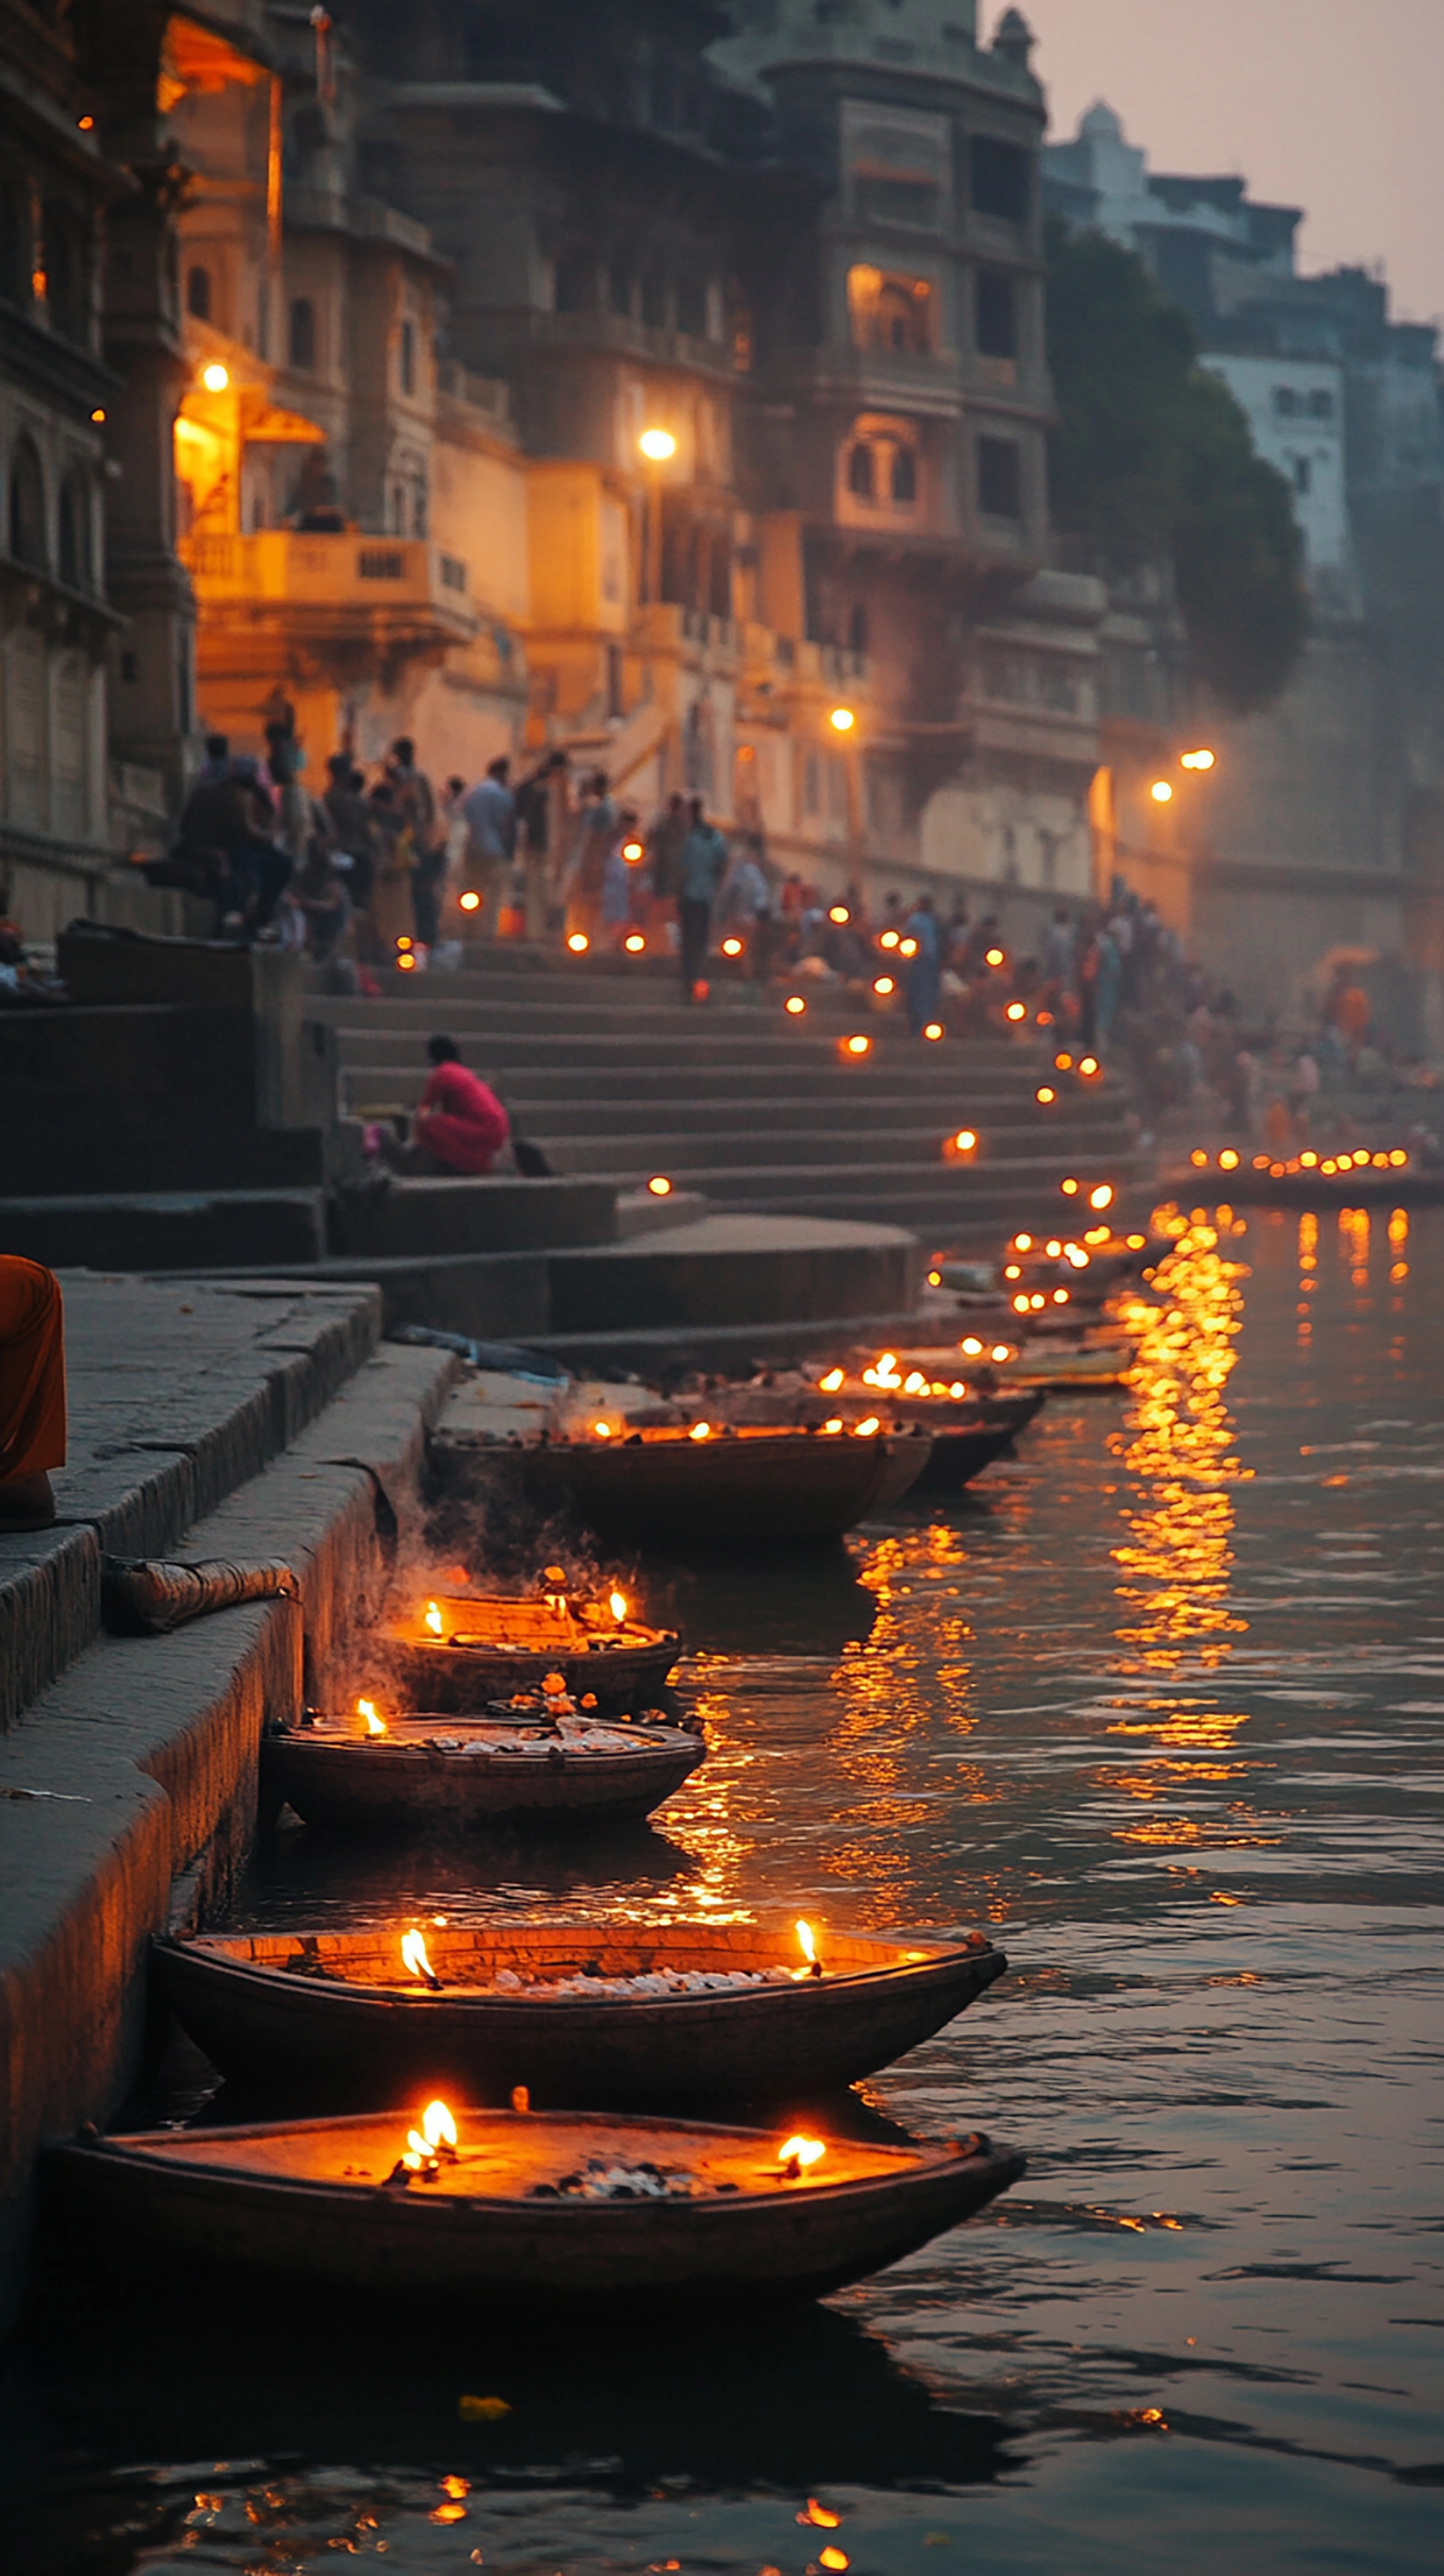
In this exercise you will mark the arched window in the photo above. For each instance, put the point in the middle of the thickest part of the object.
(198, 293)
(904, 475)
(860, 476)
(75, 533)
(301, 341)
(27, 506)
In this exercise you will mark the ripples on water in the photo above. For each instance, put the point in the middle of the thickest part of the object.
(1160, 1703)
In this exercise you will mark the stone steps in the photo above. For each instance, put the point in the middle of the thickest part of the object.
(167, 1229)
(732, 1269)
(603, 1067)
(717, 1158)
(889, 1091)
(176, 1397)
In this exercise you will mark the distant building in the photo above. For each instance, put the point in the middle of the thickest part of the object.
(56, 624)
(1334, 801)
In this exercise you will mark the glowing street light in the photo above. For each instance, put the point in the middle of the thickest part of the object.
(1161, 792)
(1196, 760)
(658, 446)
(842, 719)
(215, 377)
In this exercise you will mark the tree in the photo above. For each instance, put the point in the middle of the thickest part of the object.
(1153, 460)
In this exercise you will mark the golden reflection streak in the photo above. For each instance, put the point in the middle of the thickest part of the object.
(1179, 1449)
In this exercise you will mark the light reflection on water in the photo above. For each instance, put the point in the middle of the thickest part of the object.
(1162, 1704)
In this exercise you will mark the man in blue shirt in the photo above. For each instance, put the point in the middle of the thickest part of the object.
(490, 812)
(701, 866)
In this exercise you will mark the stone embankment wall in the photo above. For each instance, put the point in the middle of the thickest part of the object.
(279, 1429)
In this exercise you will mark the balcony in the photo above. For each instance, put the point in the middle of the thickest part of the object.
(400, 589)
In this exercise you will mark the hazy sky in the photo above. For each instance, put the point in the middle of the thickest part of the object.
(1333, 105)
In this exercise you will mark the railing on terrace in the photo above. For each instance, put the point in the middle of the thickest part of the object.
(344, 570)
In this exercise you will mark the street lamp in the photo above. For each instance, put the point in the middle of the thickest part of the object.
(659, 447)
(215, 377)
(1161, 792)
(842, 719)
(1196, 760)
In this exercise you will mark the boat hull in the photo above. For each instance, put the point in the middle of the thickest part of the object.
(735, 1489)
(959, 1456)
(187, 2197)
(314, 2037)
(462, 1680)
(353, 1787)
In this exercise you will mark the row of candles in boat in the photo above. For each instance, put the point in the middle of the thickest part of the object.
(595, 1983)
(1393, 1158)
(435, 2143)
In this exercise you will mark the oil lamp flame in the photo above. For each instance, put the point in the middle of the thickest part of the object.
(619, 1607)
(797, 2155)
(701, 1431)
(433, 1618)
(438, 2125)
(832, 1381)
(366, 1711)
(414, 1956)
(807, 1943)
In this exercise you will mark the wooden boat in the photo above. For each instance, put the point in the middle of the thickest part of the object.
(1048, 1366)
(318, 2013)
(969, 1428)
(458, 1650)
(960, 1453)
(744, 1484)
(472, 1773)
(529, 2209)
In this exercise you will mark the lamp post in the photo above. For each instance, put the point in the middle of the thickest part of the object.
(658, 446)
(843, 721)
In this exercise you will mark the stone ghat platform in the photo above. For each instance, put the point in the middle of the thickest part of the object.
(208, 1418)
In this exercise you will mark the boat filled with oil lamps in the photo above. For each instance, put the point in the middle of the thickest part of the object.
(700, 1479)
(459, 1649)
(581, 2014)
(515, 2207)
(548, 1760)
(970, 1422)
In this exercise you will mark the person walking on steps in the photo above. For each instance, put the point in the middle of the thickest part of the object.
(701, 868)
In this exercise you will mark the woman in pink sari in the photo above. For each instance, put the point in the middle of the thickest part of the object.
(460, 1125)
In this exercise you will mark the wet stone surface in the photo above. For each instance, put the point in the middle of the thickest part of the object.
(1159, 1705)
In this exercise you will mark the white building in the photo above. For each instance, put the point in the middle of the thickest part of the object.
(1295, 408)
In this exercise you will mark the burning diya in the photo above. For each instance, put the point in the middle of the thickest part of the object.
(533, 2208)
(710, 1478)
(548, 1759)
(461, 1649)
(674, 2013)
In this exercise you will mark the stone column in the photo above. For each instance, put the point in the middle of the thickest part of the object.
(152, 695)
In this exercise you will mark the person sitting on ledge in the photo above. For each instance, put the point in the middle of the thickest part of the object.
(459, 1126)
(32, 1392)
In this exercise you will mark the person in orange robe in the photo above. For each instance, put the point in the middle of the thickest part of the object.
(32, 1392)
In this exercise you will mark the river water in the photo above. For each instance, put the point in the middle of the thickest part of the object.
(1161, 1704)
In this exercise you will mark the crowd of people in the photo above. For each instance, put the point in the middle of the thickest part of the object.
(380, 865)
